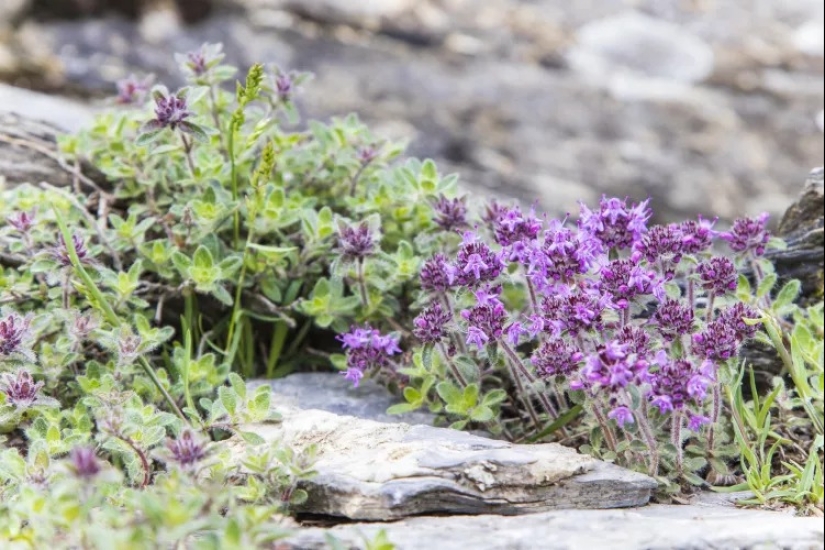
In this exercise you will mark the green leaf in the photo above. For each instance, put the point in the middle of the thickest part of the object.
(228, 399)
(787, 295)
(482, 414)
(251, 438)
(449, 392)
(766, 285)
(203, 258)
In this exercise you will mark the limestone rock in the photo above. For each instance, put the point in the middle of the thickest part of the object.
(644, 45)
(373, 471)
(657, 527)
(331, 392)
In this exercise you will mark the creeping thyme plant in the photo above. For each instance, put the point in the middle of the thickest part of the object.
(230, 240)
(604, 332)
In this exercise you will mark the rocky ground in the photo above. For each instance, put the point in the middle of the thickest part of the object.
(704, 105)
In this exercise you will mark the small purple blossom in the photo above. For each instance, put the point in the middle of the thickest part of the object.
(697, 421)
(170, 111)
(437, 274)
(430, 325)
(511, 225)
(612, 368)
(84, 463)
(622, 415)
(635, 338)
(61, 251)
(717, 342)
(734, 317)
(450, 214)
(626, 280)
(285, 86)
(615, 224)
(748, 235)
(697, 236)
(356, 242)
(187, 450)
(367, 349)
(132, 90)
(662, 245)
(674, 319)
(718, 276)
(477, 337)
(20, 390)
(476, 263)
(22, 221)
(515, 332)
(675, 385)
(15, 331)
(557, 357)
(488, 320)
(366, 155)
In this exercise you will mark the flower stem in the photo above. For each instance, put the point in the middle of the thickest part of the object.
(609, 436)
(362, 284)
(676, 437)
(522, 368)
(187, 149)
(650, 439)
(453, 366)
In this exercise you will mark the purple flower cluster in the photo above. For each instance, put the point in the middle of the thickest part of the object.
(557, 357)
(15, 331)
(612, 367)
(678, 384)
(22, 221)
(171, 111)
(187, 450)
(626, 280)
(487, 319)
(132, 90)
(748, 235)
(721, 338)
(431, 325)
(674, 319)
(367, 349)
(476, 263)
(61, 251)
(84, 463)
(356, 242)
(20, 390)
(718, 276)
(450, 214)
(615, 224)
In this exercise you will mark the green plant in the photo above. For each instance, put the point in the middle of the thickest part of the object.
(780, 435)
(215, 204)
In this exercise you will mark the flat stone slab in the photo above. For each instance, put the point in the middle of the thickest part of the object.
(331, 392)
(649, 528)
(375, 471)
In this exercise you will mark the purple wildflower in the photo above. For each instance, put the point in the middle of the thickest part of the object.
(132, 90)
(284, 86)
(674, 319)
(171, 111)
(718, 342)
(450, 214)
(356, 242)
(187, 450)
(61, 251)
(622, 415)
(718, 276)
(366, 155)
(661, 246)
(487, 320)
(612, 367)
(697, 236)
(21, 390)
(366, 349)
(476, 263)
(437, 275)
(734, 317)
(564, 254)
(635, 338)
(22, 221)
(84, 463)
(625, 280)
(511, 225)
(675, 386)
(748, 235)
(557, 357)
(430, 325)
(615, 224)
(14, 333)
(697, 421)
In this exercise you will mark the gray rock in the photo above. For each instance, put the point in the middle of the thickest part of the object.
(10, 10)
(331, 392)
(63, 114)
(650, 528)
(641, 44)
(373, 471)
(361, 13)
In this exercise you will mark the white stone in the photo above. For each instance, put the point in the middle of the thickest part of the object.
(640, 44)
(374, 471)
(810, 38)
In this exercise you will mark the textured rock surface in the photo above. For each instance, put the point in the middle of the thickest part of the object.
(650, 528)
(331, 392)
(28, 124)
(374, 471)
(488, 88)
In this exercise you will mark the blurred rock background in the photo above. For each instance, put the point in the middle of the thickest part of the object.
(711, 106)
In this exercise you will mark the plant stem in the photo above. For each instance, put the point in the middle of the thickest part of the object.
(362, 285)
(521, 367)
(609, 436)
(714, 415)
(103, 305)
(676, 437)
(650, 439)
(187, 149)
(533, 297)
(279, 335)
(453, 366)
